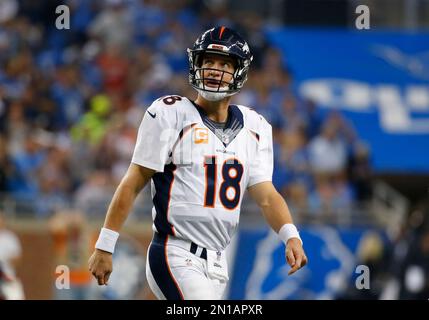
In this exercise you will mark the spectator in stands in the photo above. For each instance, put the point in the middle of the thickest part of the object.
(28, 162)
(92, 194)
(72, 244)
(373, 254)
(342, 202)
(297, 194)
(295, 155)
(54, 184)
(360, 172)
(92, 126)
(415, 276)
(68, 97)
(321, 198)
(116, 148)
(149, 20)
(5, 166)
(413, 271)
(113, 25)
(114, 65)
(10, 257)
(293, 119)
(328, 151)
(15, 126)
(314, 118)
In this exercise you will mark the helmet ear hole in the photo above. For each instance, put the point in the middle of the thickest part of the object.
(236, 64)
(198, 60)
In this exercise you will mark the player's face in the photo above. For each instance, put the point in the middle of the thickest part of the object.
(221, 70)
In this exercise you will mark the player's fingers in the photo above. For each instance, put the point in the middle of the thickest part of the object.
(290, 257)
(106, 277)
(298, 260)
(304, 260)
(100, 278)
(293, 269)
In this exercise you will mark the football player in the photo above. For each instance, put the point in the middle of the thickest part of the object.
(200, 156)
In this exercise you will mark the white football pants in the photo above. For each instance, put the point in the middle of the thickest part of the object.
(175, 273)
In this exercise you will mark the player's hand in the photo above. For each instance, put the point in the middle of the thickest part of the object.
(295, 255)
(100, 265)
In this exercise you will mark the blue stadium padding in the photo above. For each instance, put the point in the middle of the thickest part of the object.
(379, 79)
(260, 270)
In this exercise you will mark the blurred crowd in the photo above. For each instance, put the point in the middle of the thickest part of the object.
(71, 101)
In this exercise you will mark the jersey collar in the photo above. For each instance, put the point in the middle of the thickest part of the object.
(234, 123)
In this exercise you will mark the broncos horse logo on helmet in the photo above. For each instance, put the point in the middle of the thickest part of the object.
(222, 41)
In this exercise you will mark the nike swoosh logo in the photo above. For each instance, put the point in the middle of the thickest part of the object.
(153, 115)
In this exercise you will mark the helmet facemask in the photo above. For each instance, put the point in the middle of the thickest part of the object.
(224, 89)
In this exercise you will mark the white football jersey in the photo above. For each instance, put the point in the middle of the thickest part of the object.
(202, 172)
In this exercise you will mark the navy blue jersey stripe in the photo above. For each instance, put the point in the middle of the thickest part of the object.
(163, 182)
(184, 131)
(160, 269)
(256, 135)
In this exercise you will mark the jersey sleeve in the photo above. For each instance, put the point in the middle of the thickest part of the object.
(261, 168)
(155, 137)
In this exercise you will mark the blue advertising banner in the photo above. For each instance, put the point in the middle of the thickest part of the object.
(378, 79)
(260, 271)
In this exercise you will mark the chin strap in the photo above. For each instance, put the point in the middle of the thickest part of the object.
(212, 96)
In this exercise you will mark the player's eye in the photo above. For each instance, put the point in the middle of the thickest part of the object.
(228, 65)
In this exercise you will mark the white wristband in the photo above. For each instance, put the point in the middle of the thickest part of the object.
(107, 240)
(289, 231)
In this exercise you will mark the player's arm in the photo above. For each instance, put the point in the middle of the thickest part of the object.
(136, 178)
(276, 213)
(155, 138)
(130, 186)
